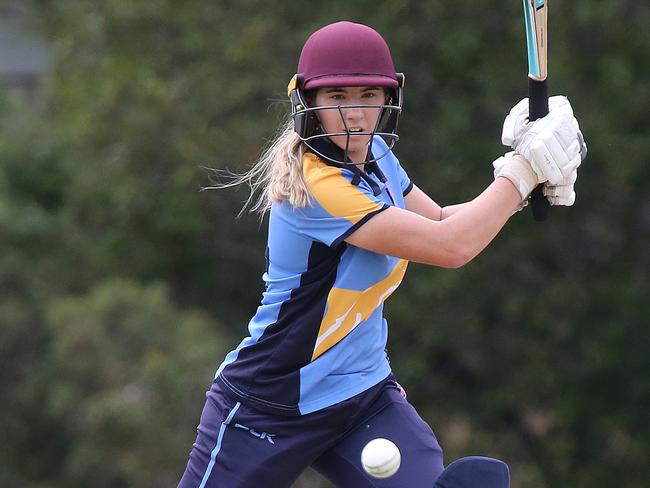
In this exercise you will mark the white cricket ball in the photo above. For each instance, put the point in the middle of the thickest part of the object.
(380, 458)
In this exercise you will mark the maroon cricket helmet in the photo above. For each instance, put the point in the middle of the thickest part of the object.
(346, 54)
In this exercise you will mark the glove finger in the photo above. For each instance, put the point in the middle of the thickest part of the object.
(515, 123)
(498, 165)
(521, 108)
(573, 153)
(556, 101)
(565, 127)
(561, 191)
(571, 168)
(571, 178)
(534, 131)
(564, 201)
(563, 146)
(555, 202)
(501, 161)
(547, 157)
(508, 131)
(559, 103)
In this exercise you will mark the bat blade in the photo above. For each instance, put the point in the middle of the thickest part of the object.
(535, 20)
(536, 38)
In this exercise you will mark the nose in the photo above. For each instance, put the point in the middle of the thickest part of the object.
(352, 117)
(352, 113)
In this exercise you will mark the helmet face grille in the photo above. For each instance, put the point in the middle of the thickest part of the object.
(309, 128)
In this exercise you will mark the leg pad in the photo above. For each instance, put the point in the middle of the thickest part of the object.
(475, 472)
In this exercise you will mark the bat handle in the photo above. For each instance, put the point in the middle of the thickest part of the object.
(538, 107)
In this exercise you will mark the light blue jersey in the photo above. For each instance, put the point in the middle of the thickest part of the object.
(319, 335)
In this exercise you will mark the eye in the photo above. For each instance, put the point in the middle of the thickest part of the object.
(375, 95)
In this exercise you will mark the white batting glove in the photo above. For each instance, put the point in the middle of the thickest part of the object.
(562, 194)
(516, 122)
(554, 147)
(517, 134)
(515, 126)
(519, 171)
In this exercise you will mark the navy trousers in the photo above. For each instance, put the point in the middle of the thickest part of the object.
(240, 447)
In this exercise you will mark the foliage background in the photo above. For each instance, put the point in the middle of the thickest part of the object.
(122, 285)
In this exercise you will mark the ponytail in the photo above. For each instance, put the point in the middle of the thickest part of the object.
(277, 176)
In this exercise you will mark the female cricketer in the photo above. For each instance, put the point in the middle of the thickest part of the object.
(311, 384)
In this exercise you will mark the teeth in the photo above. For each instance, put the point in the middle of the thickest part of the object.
(356, 130)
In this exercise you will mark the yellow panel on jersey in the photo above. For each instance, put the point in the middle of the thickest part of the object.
(334, 192)
(348, 308)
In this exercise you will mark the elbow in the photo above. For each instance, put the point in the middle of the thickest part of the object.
(458, 259)
(447, 246)
(458, 249)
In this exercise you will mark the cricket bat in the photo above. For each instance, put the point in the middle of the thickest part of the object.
(535, 20)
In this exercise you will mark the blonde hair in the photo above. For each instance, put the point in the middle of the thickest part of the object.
(276, 176)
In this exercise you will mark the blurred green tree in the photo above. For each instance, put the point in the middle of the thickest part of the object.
(535, 352)
(128, 372)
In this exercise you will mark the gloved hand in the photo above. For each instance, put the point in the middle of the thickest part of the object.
(515, 127)
(553, 144)
(523, 178)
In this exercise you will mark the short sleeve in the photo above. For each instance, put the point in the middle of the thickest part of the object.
(405, 182)
(337, 207)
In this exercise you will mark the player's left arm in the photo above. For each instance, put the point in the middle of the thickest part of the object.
(419, 202)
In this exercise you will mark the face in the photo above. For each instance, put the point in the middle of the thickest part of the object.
(350, 120)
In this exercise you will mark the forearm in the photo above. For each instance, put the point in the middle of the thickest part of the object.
(419, 202)
(473, 225)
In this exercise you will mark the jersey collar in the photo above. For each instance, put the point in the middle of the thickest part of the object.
(333, 154)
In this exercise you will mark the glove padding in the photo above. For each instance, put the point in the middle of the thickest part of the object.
(553, 147)
(516, 122)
